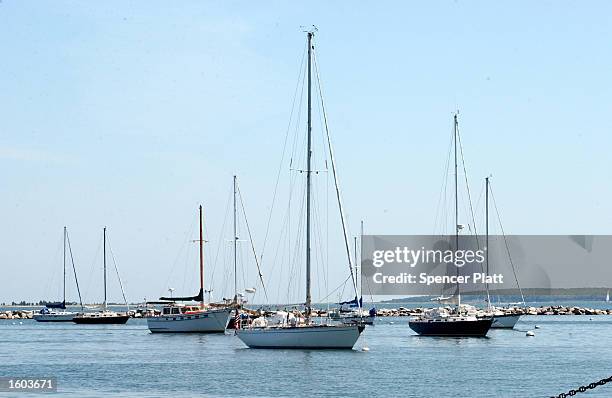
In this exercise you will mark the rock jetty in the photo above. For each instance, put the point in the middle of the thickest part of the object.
(543, 310)
(16, 314)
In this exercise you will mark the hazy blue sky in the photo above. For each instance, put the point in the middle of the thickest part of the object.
(129, 114)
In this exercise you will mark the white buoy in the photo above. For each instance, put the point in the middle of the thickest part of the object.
(537, 326)
(21, 323)
(530, 333)
(365, 349)
(391, 323)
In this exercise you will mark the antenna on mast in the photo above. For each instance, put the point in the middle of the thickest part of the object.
(309, 29)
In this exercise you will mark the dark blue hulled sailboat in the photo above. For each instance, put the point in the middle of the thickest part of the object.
(56, 312)
(440, 321)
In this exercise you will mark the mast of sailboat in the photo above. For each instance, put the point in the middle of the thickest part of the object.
(355, 256)
(357, 273)
(76, 280)
(456, 210)
(235, 249)
(104, 256)
(308, 172)
(201, 260)
(487, 237)
(64, 298)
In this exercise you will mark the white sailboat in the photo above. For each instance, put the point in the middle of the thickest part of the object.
(202, 318)
(608, 296)
(56, 312)
(303, 332)
(502, 318)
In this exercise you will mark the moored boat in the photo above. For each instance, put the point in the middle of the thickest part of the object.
(452, 325)
(178, 318)
(51, 315)
(201, 318)
(502, 318)
(457, 323)
(304, 336)
(301, 332)
(56, 312)
(505, 321)
(105, 316)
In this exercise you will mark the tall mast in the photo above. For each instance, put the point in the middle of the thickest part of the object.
(64, 299)
(308, 171)
(104, 246)
(456, 125)
(201, 259)
(355, 258)
(357, 273)
(487, 235)
(235, 249)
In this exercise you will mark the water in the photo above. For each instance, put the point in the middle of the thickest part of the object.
(127, 360)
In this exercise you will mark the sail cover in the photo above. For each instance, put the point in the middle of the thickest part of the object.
(198, 297)
(61, 305)
(354, 302)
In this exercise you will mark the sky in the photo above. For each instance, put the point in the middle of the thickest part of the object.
(129, 114)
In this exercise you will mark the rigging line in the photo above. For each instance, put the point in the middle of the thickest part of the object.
(336, 289)
(291, 188)
(325, 249)
(296, 267)
(326, 232)
(51, 275)
(467, 186)
(282, 244)
(74, 270)
(506, 244)
(110, 249)
(297, 129)
(246, 223)
(333, 164)
(182, 248)
(469, 196)
(283, 153)
(479, 197)
(221, 242)
(293, 258)
(318, 240)
(92, 268)
(443, 188)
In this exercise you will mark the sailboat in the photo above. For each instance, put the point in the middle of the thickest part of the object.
(56, 312)
(501, 319)
(304, 333)
(239, 301)
(440, 322)
(608, 296)
(105, 316)
(352, 311)
(180, 318)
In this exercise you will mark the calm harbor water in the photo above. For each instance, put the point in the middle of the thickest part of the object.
(127, 360)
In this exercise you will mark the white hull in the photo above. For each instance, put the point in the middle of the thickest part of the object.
(55, 317)
(332, 336)
(505, 321)
(205, 322)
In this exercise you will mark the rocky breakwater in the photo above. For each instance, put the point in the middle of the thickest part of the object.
(16, 314)
(543, 310)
